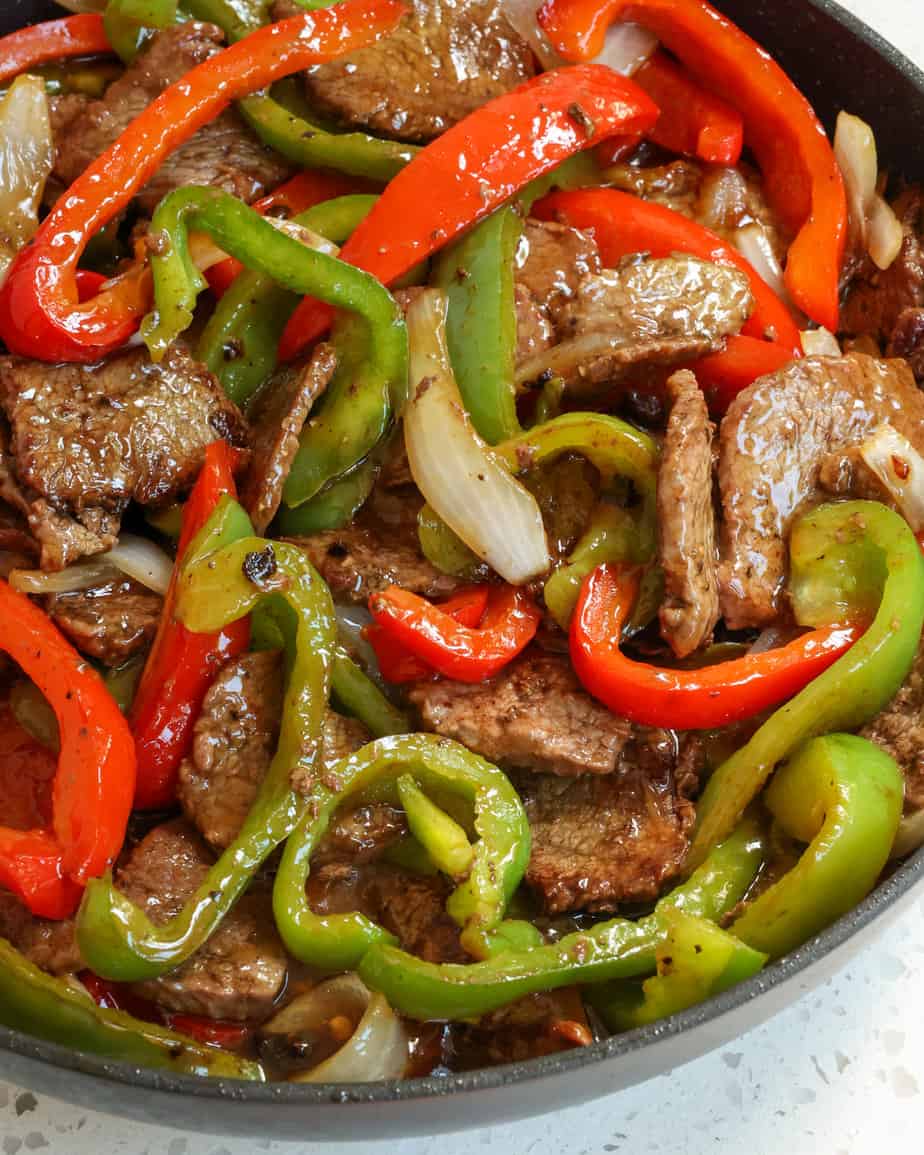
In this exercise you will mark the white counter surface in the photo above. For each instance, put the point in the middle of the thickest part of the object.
(839, 1073)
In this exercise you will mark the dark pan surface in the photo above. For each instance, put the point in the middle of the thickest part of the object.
(838, 62)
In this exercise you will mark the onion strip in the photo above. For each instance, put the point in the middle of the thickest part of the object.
(134, 557)
(874, 225)
(900, 468)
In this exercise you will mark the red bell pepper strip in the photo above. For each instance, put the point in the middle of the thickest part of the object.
(182, 665)
(295, 196)
(692, 120)
(623, 224)
(213, 1032)
(699, 699)
(396, 664)
(801, 176)
(723, 375)
(40, 315)
(95, 778)
(27, 48)
(459, 652)
(480, 163)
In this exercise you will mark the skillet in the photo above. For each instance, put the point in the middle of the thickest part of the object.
(837, 62)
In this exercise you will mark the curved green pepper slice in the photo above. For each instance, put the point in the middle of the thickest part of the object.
(441, 767)
(845, 546)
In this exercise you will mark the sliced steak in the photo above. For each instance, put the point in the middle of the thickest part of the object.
(686, 520)
(665, 311)
(88, 440)
(110, 623)
(223, 154)
(234, 742)
(907, 341)
(276, 418)
(50, 945)
(598, 841)
(238, 973)
(533, 715)
(877, 298)
(445, 59)
(899, 730)
(777, 440)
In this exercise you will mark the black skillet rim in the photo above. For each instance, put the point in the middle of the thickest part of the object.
(903, 880)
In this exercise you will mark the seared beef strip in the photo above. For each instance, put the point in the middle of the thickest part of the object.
(223, 154)
(276, 417)
(110, 623)
(907, 341)
(533, 715)
(238, 973)
(49, 944)
(234, 741)
(899, 730)
(598, 841)
(664, 311)
(783, 436)
(445, 59)
(87, 440)
(686, 520)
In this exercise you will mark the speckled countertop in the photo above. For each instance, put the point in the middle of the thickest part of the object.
(841, 1072)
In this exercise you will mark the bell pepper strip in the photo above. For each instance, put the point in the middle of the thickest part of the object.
(695, 961)
(356, 694)
(290, 200)
(52, 40)
(444, 840)
(39, 311)
(699, 699)
(846, 544)
(117, 939)
(801, 175)
(624, 224)
(723, 375)
(444, 548)
(397, 664)
(240, 341)
(95, 778)
(129, 23)
(500, 853)
(614, 447)
(617, 949)
(182, 665)
(47, 1008)
(459, 652)
(335, 506)
(480, 163)
(842, 795)
(693, 121)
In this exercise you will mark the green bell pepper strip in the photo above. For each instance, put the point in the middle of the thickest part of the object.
(236, 18)
(619, 948)
(128, 23)
(251, 316)
(335, 506)
(117, 939)
(843, 795)
(870, 542)
(442, 837)
(695, 960)
(338, 942)
(360, 696)
(444, 548)
(47, 1008)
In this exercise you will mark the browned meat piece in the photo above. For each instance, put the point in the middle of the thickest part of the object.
(223, 154)
(276, 419)
(15, 537)
(49, 944)
(899, 730)
(908, 341)
(535, 332)
(877, 298)
(540, 1024)
(686, 520)
(111, 622)
(413, 908)
(241, 969)
(88, 440)
(603, 840)
(666, 311)
(533, 715)
(63, 111)
(777, 437)
(361, 835)
(446, 58)
(234, 742)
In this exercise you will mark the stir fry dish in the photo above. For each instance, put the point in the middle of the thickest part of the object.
(461, 513)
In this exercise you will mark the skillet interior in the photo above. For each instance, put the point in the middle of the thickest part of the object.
(838, 62)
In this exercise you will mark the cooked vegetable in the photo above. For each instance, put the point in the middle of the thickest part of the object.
(397, 663)
(26, 158)
(80, 35)
(878, 229)
(128, 23)
(900, 468)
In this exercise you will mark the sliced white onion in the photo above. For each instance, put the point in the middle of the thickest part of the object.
(820, 342)
(521, 14)
(627, 46)
(754, 245)
(464, 482)
(877, 228)
(143, 561)
(900, 468)
(378, 1047)
(26, 158)
(910, 835)
(84, 575)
